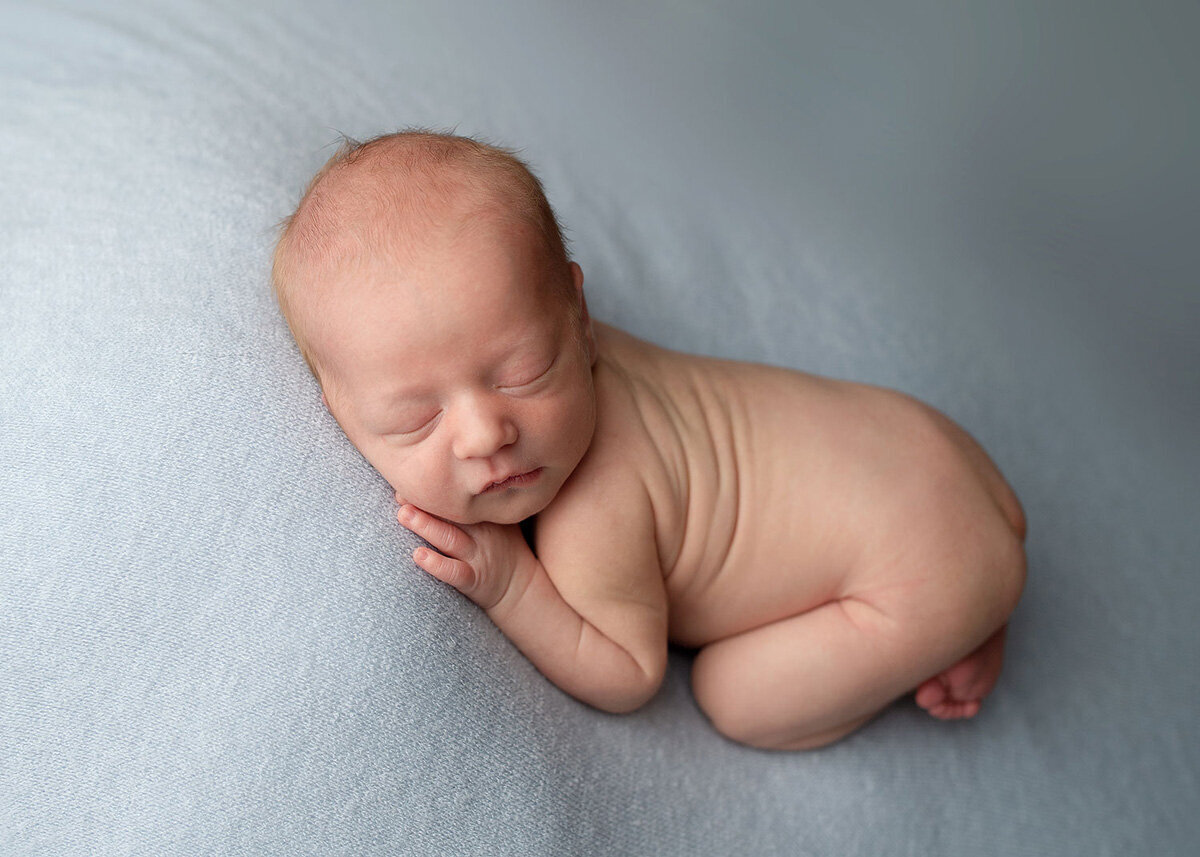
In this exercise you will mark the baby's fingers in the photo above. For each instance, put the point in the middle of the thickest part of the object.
(453, 571)
(444, 536)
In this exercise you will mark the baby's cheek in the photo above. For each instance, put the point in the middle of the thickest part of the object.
(579, 415)
(557, 420)
(408, 474)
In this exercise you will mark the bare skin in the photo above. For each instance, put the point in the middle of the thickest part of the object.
(825, 546)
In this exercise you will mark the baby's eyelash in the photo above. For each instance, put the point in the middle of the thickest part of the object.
(424, 424)
(537, 377)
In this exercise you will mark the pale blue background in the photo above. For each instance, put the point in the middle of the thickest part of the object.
(211, 640)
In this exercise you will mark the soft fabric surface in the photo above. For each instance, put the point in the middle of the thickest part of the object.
(213, 641)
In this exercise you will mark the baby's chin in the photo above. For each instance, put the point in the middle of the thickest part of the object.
(501, 510)
(503, 519)
(509, 512)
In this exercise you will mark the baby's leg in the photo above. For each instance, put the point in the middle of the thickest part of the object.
(807, 680)
(959, 691)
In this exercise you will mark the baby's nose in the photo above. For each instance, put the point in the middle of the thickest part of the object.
(482, 431)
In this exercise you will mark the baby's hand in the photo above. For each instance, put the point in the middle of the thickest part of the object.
(479, 560)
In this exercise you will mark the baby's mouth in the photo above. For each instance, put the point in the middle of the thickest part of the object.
(520, 480)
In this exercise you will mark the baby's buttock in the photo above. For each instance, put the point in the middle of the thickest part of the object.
(776, 491)
(791, 479)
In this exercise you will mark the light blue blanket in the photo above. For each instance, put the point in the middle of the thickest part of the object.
(211, 639)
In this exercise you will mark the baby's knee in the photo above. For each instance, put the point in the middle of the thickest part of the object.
(714, 687)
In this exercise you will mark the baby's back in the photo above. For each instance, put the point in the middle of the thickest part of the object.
(769, 485)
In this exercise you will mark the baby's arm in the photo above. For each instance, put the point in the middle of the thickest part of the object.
(589, 611)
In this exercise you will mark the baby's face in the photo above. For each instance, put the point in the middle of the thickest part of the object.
(462, 372)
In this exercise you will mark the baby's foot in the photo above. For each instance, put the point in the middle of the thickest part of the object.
(959, 691)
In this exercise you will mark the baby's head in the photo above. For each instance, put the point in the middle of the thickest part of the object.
(425, 280)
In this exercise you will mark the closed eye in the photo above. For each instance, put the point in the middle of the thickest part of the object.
(532, 380)
(415, 426)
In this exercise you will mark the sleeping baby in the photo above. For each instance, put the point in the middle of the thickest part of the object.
(826, 546)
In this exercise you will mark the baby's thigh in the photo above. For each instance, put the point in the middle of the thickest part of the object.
(918, 606)
(808, 679)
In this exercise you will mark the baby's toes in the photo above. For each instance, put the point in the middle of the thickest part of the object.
(942, 699)
(961, 680)
(973, 678)
(952, 710)
(931, 694)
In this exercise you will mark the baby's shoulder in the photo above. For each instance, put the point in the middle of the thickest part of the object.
(621, 480)
(605, 502)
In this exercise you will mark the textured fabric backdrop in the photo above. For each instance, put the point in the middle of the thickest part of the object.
(211, 639)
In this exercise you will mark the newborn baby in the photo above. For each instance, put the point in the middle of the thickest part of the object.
(827, 546)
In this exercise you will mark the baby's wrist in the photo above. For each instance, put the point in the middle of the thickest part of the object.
(525, 570)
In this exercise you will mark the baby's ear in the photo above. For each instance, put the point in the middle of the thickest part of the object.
(585, 320)
(576, 277)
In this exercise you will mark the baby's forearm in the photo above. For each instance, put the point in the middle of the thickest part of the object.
(616, 673)
(609, 654)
